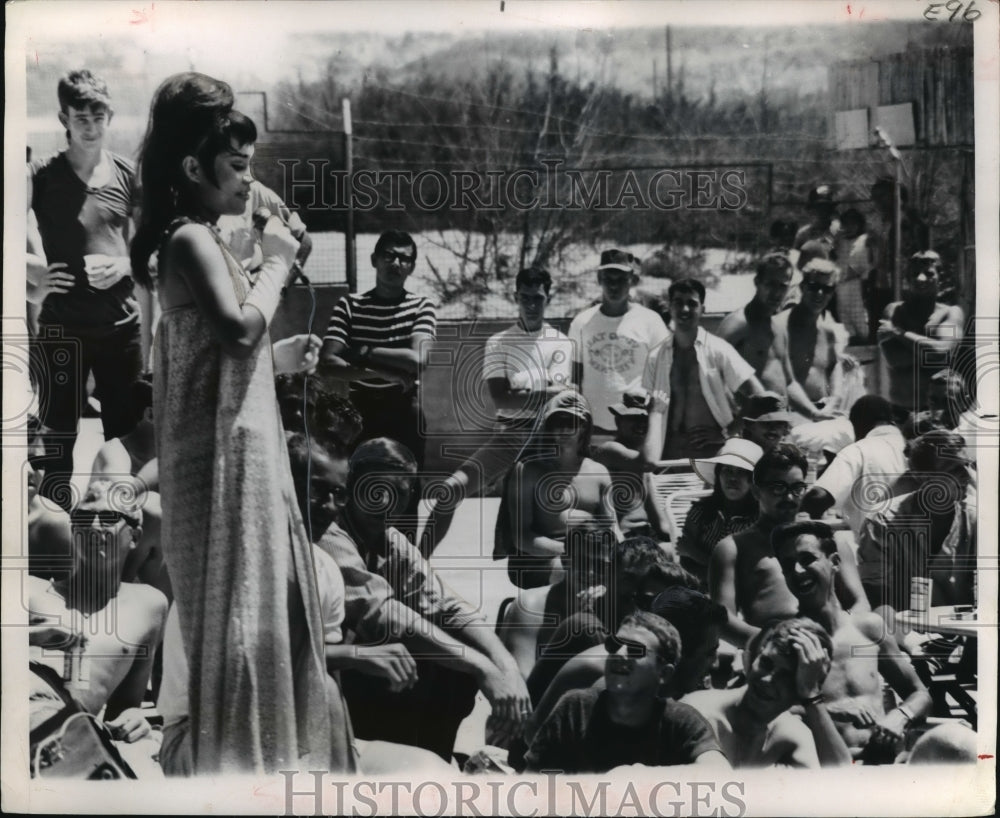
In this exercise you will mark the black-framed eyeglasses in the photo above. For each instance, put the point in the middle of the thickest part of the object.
(391, 256)
(780, 489)
(633, 650)
(825, 289)
(106, 518)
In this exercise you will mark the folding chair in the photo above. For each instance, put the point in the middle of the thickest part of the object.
(677, 504)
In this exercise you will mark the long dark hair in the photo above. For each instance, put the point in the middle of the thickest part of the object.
(747, 507)
(191, 115)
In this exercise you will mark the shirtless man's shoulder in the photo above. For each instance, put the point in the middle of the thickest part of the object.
(733, 327)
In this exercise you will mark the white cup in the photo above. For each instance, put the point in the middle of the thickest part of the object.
(94, 260)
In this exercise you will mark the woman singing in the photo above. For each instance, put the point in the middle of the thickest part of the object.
(236, 549)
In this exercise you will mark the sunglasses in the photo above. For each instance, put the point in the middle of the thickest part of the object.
(633, 650)
(825, 289)
(391, 256)
(106, 518)
(780, 489)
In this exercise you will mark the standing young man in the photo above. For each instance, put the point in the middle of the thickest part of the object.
(379, 341)
(692, 377)
(612, 341)
(917, 335)
(82, 199)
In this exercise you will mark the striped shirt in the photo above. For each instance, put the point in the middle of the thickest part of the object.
(366, 319)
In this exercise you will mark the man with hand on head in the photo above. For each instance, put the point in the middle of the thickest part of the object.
(786, 666)
(864, 650)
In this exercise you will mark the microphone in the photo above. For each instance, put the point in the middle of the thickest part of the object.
(260, 218)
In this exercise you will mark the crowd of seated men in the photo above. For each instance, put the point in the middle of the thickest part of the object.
(795, 561)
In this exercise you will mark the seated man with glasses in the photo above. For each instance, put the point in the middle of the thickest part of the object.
(379, 341)
(631, 721)
(112, 626)
(743, 574)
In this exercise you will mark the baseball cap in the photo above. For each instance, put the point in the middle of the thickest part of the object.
(632, 403)
(617, 260)
(768, 406)
(743, 454)
(821, 193)
(568, 402)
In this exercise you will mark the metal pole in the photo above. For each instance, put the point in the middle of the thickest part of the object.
(897, 220)
(349, 251)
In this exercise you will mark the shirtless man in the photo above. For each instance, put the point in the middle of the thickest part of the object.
(119, 624)
(546, 495)
(133, 451)
(809, 342)
(917, 335)
(786, 666)
(743, 574)
(634, 497)
(749, 330)
(864, 650)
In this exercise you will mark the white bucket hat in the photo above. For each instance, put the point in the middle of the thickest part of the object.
(743, 454)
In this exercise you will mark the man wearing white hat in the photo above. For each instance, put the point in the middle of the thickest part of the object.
(612, 340)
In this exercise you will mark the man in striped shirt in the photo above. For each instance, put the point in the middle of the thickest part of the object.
(379, 341)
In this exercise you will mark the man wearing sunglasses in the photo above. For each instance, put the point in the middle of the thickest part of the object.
(117, 624)
(810, 343)
(631, 721)
(378, 343)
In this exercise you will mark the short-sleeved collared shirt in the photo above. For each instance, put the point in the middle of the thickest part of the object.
(721, 371)
(877, 457)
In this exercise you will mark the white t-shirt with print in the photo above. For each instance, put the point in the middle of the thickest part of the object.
(613, 351)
